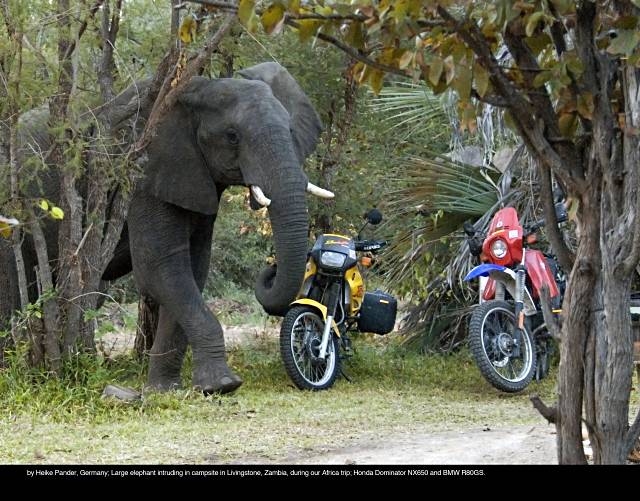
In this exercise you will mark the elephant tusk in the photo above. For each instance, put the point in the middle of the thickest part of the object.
(260, 197)
(319, 192)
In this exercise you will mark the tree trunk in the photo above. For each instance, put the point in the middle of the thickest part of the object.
(148, 314)
(338, 125)
(578, 324)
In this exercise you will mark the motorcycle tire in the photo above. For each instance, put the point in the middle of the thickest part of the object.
(300, 339)
(544, 354)
(490, 335)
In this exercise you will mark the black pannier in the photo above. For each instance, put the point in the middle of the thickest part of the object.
(378, 312)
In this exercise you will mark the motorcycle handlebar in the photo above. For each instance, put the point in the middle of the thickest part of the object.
(536, 226)
(370, 245)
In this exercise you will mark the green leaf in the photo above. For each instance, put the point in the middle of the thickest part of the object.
(307, 28)
(538, 43)
(449, 69)
(482, 79)
(272, 18)
(400, 9)
(435, 70)
(5, 229)
(510, 122)
(6, 225)
(585, 105)
(294, 6)
(562, 6)
(568, 123)
(188, 29)
(405, 59)
(246, 11)
(375, 81)
(56, 213)
(462, 81)
(533, 21)
(575, 65)
(505, 12)
(542, 78)
(355, 36)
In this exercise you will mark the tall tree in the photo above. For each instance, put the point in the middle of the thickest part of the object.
(94, 148)
(566, 75)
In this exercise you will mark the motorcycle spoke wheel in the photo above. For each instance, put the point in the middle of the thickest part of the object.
(492, 339)
(300, 340)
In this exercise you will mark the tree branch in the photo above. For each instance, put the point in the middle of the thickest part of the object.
(83, 27)
(109, 31)
(550, 320)
(490, 99)
(632, 176)
(549, 413)
(523, 57)
(633, 434)
(565, 256)
(355, 54)
(290, 20)
(167, 98)
(211, 3)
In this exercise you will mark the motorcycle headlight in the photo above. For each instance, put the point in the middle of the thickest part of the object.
(332, 259)
(499, 248)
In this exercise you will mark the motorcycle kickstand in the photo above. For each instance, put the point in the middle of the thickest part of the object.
(347, 353)
(344, 375)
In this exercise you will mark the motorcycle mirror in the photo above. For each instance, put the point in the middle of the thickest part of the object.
(561, 212)
(373, 216)
(469, 229)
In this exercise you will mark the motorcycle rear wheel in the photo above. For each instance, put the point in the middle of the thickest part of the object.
(491, 338)
(300, 339)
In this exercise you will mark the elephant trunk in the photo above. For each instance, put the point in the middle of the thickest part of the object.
(277, 286)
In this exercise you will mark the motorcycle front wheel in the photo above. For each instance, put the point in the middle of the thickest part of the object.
(300, 340)
(494, 345)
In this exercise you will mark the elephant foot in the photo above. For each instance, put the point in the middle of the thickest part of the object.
(214, 376)
(163, 385)
(162, 380)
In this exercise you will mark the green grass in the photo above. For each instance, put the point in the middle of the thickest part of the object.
(237, 305)
(65, 420)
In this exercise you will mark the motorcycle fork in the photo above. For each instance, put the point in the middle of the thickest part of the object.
(332, 303)
(521, 272)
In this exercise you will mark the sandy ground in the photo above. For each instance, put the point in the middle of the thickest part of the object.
(514, 445)
(525, 444)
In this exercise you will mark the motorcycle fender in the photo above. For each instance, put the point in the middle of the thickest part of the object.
(321, 308)
(483, 270)
(540, 273)
(507, 277)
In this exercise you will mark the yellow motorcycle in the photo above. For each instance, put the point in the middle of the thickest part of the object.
(332, 302)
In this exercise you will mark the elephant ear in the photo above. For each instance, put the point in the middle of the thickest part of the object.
(306, 125)
(177, 171)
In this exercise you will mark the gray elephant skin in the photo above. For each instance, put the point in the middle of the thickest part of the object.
(254, 131)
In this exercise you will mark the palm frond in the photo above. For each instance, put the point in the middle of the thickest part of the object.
(431, 198)
(408, 106)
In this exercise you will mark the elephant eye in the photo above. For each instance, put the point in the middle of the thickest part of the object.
(232, 136)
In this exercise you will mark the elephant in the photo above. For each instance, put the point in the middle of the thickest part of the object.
(254, 131)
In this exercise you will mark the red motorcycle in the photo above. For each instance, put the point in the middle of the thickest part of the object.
(507, 334)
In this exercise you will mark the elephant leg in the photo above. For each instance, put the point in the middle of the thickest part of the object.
(120, 265)
(170, 342)
(200, 246)
(167, 353)
(163, 239)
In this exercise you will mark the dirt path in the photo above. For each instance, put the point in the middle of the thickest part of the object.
(514, 445)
